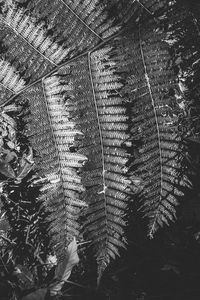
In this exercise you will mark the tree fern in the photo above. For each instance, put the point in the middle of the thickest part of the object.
(59, 63)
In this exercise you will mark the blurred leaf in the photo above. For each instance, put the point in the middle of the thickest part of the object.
(25, 165)
(8, 120)
(39, 294)
(11, 108)
(64, 268)
(10, 144)
(193, 139)
(24, 276)
(8, 155)
(6, 170)
(170, 267)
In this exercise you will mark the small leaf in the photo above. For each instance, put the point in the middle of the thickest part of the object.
(3, 130)
(8, 120)
(64, 268)
(11, 145)
(26, 164)
(51, 261)
(11, 133)
(8, 155)
(6, 170)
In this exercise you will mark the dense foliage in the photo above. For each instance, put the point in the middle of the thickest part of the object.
(99, 147)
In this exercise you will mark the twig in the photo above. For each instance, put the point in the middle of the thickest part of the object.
(7, 240)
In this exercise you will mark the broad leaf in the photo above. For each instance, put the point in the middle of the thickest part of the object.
(25, 166)
(64, 268)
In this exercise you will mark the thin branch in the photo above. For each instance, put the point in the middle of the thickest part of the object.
(145, 8)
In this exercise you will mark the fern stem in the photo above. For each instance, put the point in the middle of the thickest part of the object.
(100, 132)
(103, 191)
(143, 7)
(7, 88)
(88, 27)
(158, 131)
(51, 125)
(17, 33)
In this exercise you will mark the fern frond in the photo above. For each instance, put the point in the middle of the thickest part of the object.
(52, 136)
(100, 114)
(27, 45)
(152, 89)
(9, 77)
(79, 24)
(183, 40)
(135, 11)
(34, 35)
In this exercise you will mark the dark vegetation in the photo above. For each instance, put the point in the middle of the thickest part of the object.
(100, 145)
